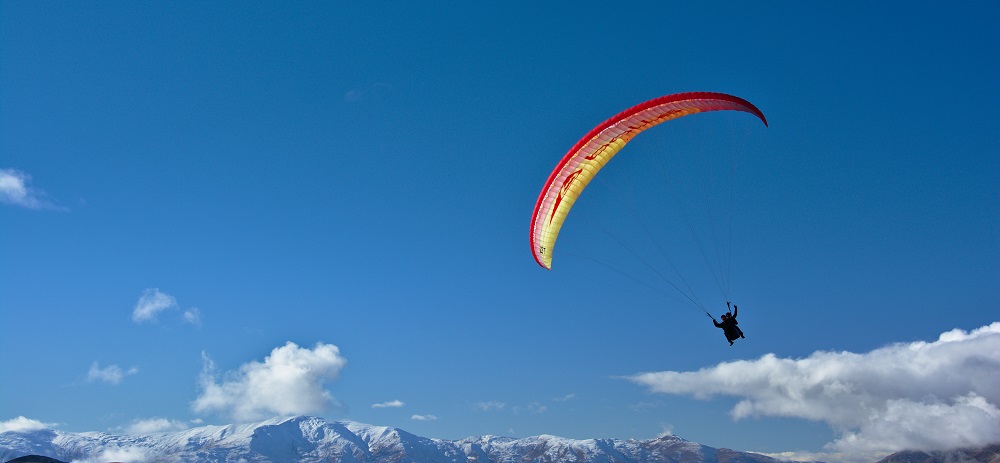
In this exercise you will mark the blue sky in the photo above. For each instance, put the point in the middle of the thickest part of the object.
(189, 188)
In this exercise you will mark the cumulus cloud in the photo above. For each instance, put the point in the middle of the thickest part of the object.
(111, 374)
(920, 395)
(155, 425)
(15, 190)
(118, 454)
(423, 417)
(389, 404)
(150, 304)
(290, 381)
(22, 424)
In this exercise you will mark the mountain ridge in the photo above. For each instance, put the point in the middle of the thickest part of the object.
(308, 439)
(988, 454)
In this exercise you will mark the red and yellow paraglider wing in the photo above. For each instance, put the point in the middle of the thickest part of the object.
(579, 166)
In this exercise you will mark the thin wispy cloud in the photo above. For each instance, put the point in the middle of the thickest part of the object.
(423, 418)
(565, 398)
(290, 381)
(368, 92)
(645, 406)
(111, 374)
(489, 406)
(192, 316)
(533, 407)
(666, 429)
(389, 404)
(16, 190)
(151, 303)
(905, 396)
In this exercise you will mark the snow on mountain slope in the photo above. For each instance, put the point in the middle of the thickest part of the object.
(310, 439)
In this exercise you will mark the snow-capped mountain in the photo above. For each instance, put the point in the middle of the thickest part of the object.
(310, 439)
(988, 454)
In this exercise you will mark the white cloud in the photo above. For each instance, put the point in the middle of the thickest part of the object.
(815, 456)
(919, 395)
(533, 407)
(155, 425)
(965, 421)
(118, 454)
(111, 374)
(565, 398)
(423, 417)
(150, 304)
(15, 190)
(22, 424)
(489, 406)
(192, 316)
(290, 381)
(389, 404)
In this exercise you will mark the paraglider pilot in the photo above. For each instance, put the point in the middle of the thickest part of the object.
(728, 325)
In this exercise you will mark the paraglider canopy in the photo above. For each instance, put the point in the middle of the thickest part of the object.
(579, 166)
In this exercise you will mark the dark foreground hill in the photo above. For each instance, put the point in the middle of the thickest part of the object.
(34, 459)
